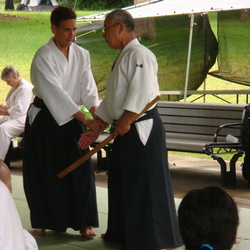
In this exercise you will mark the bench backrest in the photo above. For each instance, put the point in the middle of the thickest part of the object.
(199, 120)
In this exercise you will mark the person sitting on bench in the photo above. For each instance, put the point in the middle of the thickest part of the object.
(13, 114)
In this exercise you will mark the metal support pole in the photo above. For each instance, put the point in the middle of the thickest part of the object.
(189, 54)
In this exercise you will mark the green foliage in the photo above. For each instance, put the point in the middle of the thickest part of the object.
(96, 4)
(169, 43)
(101, 58)
(22, 33)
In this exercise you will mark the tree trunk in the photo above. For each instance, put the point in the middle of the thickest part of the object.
(145, 27)
(245, 14)
(9, 5)
(139, 1)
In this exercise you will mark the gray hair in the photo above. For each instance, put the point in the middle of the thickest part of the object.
(122, 16)
(8, 72)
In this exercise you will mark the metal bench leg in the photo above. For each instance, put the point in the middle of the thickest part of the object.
(223, 169)
(108, 150)
(99, 161)
(228, 178)
(103, 162)
(233, 167)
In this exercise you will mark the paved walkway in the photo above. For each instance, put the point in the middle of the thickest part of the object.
(187, 173)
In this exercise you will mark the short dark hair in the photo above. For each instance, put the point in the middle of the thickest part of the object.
(122, 16)
(61, 13)
(208, 216)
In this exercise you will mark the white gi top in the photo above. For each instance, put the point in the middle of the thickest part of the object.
(63, 84)
(12, 235)
(18, 101)
(132, 83)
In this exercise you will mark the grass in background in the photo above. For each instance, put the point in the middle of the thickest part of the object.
(22, 35)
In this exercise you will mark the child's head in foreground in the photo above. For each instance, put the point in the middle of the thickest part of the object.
(208, 219)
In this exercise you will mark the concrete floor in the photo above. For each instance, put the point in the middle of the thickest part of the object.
(187, 173)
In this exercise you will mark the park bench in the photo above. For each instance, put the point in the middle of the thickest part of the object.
(236, 147)
(14, 152)
(191, 127)
(197, 128)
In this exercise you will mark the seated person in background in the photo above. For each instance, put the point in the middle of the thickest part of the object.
(13, 114)
(208, 219)
(12, 235)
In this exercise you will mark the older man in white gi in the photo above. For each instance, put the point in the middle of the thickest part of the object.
(13, 114)
(142, 211)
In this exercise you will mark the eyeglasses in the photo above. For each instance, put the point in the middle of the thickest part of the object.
(104, 29)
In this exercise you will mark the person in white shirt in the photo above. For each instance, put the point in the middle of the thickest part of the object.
(142, 212)
(13, 114)
(63, 81)
(12, 234)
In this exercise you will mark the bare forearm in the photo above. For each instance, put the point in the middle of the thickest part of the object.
(93, 124)
(4, 110)
(102, 122)
(92, 111)
(125, 121)
(80, 116)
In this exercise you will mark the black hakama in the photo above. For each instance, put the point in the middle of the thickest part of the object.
(142, 214)
(54, 203)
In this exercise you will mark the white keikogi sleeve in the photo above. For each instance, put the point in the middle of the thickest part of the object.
(143, 86)
(102, 112)
(12, 235)
(143, 81)
(48, 84)
(19, 101)
(89, 91)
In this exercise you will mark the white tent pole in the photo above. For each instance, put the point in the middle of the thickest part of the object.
(189, 54)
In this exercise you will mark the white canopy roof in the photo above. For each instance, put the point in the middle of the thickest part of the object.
(176, 7)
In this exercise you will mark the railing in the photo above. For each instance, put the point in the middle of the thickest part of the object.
(203, 93)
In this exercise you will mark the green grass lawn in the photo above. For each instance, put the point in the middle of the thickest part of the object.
(21, 37)
(22, 33)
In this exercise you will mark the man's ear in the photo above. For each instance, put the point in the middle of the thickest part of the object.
(15, 76)
(121, 28)
(53, 28)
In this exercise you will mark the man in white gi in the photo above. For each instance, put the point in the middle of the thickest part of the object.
(12, 234)
(142, 211)
(13, 114)
(63, 81)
